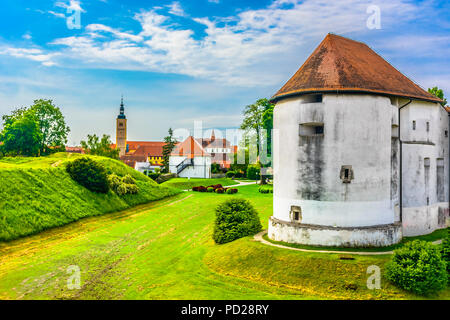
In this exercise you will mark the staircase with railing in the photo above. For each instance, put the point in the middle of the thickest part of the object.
(183, 165)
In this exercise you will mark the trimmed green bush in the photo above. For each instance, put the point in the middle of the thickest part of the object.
(210, 189)
(220, 190)
(229, 191)
(230, 174)
(253, 172)
(418, 267)
(89, 173)
(239, 174)
(235, 218)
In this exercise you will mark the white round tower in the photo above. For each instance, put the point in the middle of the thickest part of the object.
(335, 154)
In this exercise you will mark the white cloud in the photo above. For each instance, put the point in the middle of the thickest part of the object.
(57, 14)
(31, 54)
(176, 9)
(27, 36)
(253, 48)
(73, 5)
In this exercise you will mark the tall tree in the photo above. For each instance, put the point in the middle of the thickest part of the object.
(254, 119)
(52, 125)
(167, 149)
(20, 134)
(267, 124)
(100, 147)
(438, 93)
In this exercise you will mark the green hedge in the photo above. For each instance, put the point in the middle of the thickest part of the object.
(89, 174)
(235, 218)
(418, 267)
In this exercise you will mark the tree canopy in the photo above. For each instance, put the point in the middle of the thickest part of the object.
(100, 147)
(438, 93)
(258, 116)
(20, 135)
(49, 122)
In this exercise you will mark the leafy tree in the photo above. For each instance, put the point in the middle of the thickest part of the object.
(257, 116)
(438, 93)
(100, 147)
(20, 134)
(267, 123)
(167, 150)
(52, 125)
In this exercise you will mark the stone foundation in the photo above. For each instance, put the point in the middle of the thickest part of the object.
(373, 236)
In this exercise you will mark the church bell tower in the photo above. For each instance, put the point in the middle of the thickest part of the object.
(121, 130)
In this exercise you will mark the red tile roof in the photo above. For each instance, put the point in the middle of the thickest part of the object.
(134, 145)
(189, 148)
(150, 150)
(343, 65)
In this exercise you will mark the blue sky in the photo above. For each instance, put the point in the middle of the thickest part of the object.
(180, 61)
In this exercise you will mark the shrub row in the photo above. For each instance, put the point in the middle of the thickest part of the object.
(218, 188)
(234, 174)
(266, 189)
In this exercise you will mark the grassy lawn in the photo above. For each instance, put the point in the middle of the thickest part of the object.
(38, 193)
(164, 250)
(185, 183)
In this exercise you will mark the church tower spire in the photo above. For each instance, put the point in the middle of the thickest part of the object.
(121, 130)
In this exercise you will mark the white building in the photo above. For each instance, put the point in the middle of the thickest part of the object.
(220, 150)
(190, 160)
(337, 168)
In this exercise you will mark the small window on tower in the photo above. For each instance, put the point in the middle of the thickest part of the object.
(446, 133)
(346, 174)
(120, 124)
(428, 126)
(313, 98)
(311, 129)
(414, 125)
(296, 214)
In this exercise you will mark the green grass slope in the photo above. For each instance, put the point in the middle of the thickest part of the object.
(37, 194)
(185, 183)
